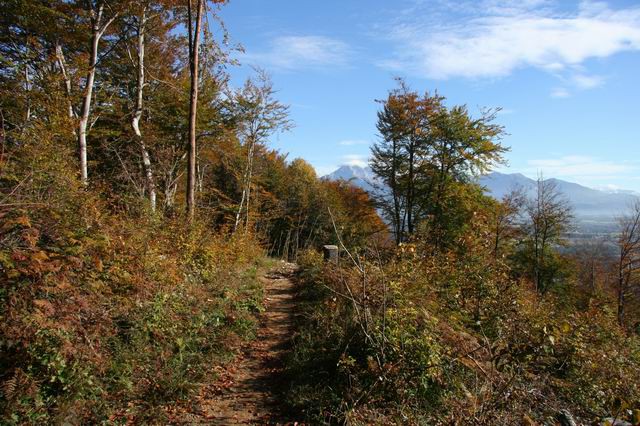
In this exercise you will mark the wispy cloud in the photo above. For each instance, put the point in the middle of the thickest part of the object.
(352, 142)
(583, 81)
(490, 38)
(302, 52)
(560, 92)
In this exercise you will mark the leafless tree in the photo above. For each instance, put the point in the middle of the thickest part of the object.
(628, 256)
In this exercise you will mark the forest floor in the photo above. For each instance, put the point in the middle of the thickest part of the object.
(246, 390)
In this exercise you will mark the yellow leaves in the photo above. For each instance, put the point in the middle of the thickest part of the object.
(21, 221)
(407, 249)
(45, 307)
(39, 257)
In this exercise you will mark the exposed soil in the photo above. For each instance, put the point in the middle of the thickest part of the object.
(246, 391)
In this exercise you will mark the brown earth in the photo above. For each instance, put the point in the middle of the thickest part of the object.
(246, 391)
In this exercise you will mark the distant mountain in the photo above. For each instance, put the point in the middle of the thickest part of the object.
(362, 177)
(587, 202)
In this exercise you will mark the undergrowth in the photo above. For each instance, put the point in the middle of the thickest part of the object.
(107, 318)
(447, 339)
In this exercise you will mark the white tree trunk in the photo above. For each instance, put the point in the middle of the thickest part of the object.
(67, 80)
(246, 186)
(27, 79)
(194, 47)
(97, 31)
(135, 120)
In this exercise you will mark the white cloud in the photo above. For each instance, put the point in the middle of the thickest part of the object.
(355, 160)
(583, 81)
(494, 38)
(577, 166)
(302, 52)
(560, 92)
(352, 142)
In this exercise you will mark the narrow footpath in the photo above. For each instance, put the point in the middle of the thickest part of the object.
(246, 391)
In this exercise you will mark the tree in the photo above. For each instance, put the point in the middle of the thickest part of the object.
(405, 128)
(259, 115)
(426, 155)
(194, 23)
(548, 219)
(504, 220)
(461, 147)
(99, 24)
(592, 259)
(386, 164)
(141, 28)
(628, 263)
(31, 35)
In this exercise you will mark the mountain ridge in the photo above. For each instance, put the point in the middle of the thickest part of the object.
(586, 201)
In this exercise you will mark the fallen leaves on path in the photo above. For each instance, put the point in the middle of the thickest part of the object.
(245, 391)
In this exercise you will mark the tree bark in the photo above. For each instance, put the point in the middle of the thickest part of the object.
(621, 291)
(246, 186)
(27, 79)
(67, 80)
(97, 31)
(194, 47)
(135, 120)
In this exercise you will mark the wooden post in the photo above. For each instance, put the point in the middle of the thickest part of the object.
(330, 253)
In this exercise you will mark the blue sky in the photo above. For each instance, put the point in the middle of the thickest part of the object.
(567, 75)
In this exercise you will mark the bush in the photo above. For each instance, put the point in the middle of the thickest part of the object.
(110, 317)
(449, 338)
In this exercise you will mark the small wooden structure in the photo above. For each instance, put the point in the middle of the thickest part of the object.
(330, 253)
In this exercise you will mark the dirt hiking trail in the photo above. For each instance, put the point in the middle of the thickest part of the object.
(246, 389)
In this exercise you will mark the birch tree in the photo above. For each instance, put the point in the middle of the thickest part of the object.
(141, 21)
(99, 25)
(259, 116)
(194, 17)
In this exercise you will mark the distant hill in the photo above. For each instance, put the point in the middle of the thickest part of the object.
(588, 203)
